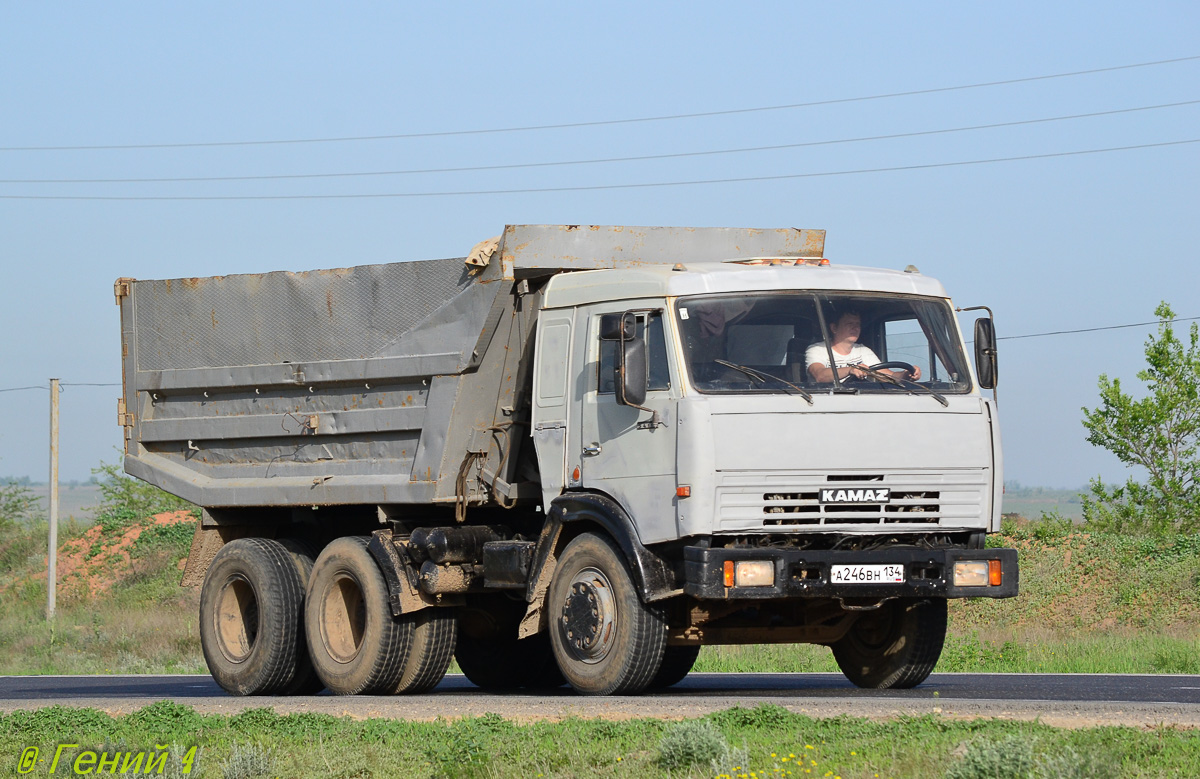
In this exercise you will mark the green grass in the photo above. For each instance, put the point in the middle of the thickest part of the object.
(775, 741)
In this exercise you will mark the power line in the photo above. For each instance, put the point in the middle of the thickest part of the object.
(606, 122)
(639, 158)
(62, 384)
(1097, 329)
(598, 187)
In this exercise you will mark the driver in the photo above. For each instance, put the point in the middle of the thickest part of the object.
(848, 353)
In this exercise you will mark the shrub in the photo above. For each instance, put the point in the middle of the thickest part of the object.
(1010, 757)
(17, 504)
(1069, 764)
(691, 742)
(249, 761)
(125, 500)
(176, 538)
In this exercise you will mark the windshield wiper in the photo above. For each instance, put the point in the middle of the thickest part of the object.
(902, 383)
(762, 376)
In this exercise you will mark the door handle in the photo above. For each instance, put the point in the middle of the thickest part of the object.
(592, 451)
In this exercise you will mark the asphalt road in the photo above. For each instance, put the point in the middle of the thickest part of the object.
(1063, 699)
(1057, 699)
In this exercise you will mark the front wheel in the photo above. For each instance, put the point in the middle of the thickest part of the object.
(896, 645)
(605, 640)
(677, 663)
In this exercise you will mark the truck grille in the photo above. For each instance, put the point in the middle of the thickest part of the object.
(793, 500)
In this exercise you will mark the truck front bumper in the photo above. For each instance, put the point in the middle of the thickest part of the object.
(808, 574)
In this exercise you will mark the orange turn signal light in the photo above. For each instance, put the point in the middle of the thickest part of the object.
(684, 491)
(729, 573)
(995, 575)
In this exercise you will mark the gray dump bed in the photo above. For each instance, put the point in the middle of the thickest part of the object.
(376, 384)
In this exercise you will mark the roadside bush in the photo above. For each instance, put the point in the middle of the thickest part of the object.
(691, 742)
(1010, 757)
(125, 500)
(17, 505)
(1069, 764)
(248, 761)
(176, 538)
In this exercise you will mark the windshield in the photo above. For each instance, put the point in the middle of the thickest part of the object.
(821, 341)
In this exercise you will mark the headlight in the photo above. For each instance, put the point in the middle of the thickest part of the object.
(978, 573)
(754, 573)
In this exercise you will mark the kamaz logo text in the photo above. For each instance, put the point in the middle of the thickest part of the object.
(837, 495)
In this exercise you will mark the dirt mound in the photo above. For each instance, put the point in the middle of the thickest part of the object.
(92, 563)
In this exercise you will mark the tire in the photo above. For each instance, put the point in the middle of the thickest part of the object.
(492, 657)
(433, 635)
(250, 607)
(895, 646)
(355, 643)
(605, 640)
(677, 663)
(305, 681)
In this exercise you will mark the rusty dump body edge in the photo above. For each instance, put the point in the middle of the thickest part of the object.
(368, 384)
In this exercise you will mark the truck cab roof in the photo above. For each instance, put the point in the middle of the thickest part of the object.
(653, 280)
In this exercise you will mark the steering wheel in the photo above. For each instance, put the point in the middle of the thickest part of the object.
(893, 365)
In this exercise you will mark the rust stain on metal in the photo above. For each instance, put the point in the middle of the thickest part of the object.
(214, 318)
(329, 302)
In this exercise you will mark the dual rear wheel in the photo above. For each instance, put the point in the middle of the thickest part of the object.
(275, 622)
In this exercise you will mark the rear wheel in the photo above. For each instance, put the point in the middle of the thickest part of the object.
(305, 681)
(605, 640)
(677, 663)
(250, 607)
(355, 643)
(896, 645)
(433, 634)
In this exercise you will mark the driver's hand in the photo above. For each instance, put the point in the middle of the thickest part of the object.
(857, 371)
(916, 373)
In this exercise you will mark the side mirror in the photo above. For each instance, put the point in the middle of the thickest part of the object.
(985, 353)
(633, 364)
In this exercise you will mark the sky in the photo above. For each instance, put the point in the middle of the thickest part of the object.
(1049, 243)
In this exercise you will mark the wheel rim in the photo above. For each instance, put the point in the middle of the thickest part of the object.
(237, 619)
(343, 618)
(589, 614)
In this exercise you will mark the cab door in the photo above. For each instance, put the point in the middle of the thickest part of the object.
(627, 453)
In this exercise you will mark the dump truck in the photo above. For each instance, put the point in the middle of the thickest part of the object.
(575, 456)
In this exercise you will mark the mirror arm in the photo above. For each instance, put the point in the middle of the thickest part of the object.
(993, 352)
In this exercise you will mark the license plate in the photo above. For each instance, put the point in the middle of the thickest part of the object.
(867, 574)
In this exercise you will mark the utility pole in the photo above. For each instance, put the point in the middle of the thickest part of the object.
(52, 556)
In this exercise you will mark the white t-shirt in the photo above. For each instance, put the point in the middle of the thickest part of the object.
(817, 354)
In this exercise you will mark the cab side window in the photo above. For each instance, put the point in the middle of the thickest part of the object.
(650, 327)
